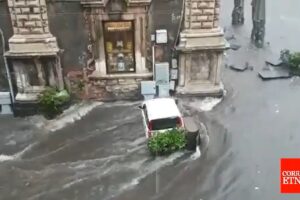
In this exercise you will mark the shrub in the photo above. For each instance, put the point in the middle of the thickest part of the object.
(167, 142)
(294, 60)
(291, 59)
(51, 102)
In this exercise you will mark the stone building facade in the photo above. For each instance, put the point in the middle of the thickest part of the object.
(102, 49)
(201, 48)
(33, 50)
(118, 37)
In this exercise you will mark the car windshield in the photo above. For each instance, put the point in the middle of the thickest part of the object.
(161, 124)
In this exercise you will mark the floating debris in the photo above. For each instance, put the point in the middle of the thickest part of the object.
(240, 67)
(275, 73)
(235, 47)
(274, 61)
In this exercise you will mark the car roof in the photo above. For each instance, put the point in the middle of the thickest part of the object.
(161, 108)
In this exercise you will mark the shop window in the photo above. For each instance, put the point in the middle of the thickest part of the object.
(119, 46)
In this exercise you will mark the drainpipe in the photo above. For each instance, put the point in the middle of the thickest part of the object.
(6, 68)
(180, 23)
(153, 60)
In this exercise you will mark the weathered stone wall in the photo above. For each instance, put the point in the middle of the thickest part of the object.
(202, 14)
(105, 89)
(115, 89)
(66, 23)
(166, 15)
(63, 19)
(29, 16)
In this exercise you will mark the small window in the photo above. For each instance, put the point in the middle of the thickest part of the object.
(31, 10)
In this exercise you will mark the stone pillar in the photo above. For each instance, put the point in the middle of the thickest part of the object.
(201, 49)
(31, 41)
(238, 12)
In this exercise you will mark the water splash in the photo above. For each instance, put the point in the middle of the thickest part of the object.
(71, 115)
(197, 153)
(145, 170)
(204, 104)
(209, 103)
(16, 156)
(6, 157)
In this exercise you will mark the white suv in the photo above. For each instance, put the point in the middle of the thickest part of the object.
(159, 115)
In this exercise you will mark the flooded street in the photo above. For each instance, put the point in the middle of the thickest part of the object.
(104, 156)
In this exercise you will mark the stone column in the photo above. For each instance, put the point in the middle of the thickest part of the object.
(201, 49)
(32, 40)
(238, 12)
(31, 28)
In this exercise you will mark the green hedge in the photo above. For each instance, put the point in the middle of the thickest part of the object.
(167, 142)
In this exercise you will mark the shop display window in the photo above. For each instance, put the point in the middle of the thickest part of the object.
(119, 46)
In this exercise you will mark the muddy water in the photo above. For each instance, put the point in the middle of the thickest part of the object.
(87, 160)
(104, 156)
(183, 179)
(105, 160)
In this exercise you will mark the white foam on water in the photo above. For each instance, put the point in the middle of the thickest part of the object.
(197, 154)
(71, 115)
(70, 184)
(209, 103)
(138, 141)
(15, 156)
(130, 184)
(149, 169)
(6, 157)
(204, 104)
(74, 113)
(223, 88)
